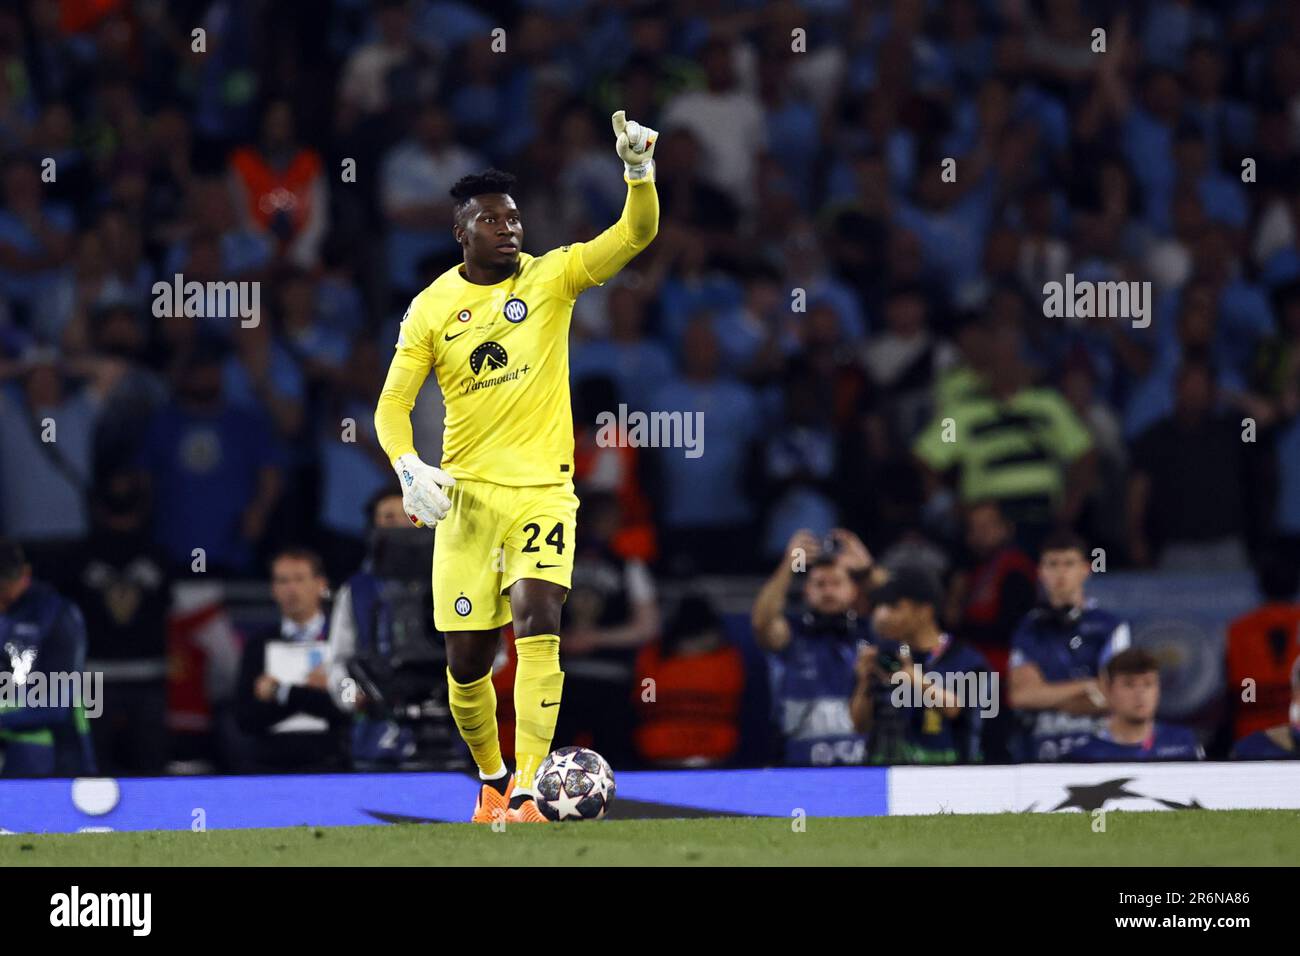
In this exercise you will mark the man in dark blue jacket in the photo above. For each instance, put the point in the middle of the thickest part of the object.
(1131, 682)
(1057, 654)
(44, 730)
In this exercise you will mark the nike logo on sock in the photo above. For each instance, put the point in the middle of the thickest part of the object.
(540, 565)
(550, 703)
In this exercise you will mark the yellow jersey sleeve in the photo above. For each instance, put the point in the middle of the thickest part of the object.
(411, 365)
(585, 264)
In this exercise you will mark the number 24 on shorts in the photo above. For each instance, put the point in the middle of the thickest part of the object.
(555, 538)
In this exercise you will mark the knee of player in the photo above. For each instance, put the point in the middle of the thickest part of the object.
(467, 672)
(470, 658)
(543, 619)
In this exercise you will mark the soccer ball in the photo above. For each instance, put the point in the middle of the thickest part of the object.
(574, 783)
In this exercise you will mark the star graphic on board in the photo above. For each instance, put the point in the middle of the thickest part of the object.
(1094, 796)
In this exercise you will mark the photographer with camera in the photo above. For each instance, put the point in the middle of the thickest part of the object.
(905, 702)
(386, 669)
(812, 647)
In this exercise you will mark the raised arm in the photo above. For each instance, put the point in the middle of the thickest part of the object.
(604, 256)
(599, 260)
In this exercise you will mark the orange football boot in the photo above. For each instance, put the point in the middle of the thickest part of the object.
(526, 812)
(489, 803)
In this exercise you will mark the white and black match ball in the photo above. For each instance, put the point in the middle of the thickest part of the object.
(574, 783)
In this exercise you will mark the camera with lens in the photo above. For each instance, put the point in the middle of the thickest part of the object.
(403, 672)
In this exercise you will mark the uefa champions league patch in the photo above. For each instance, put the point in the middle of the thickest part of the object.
(516, 310)
(462, 606)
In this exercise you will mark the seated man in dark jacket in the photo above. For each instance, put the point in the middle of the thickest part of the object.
(282, 699)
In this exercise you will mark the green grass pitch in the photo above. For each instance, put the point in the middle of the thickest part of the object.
(1175, 838)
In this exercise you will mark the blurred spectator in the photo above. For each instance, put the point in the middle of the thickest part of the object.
(349, 457)
(1278, 742)
(36, 239)
(1103, 516)
(389, 67)
(1013, 443)
(688, 196)
(415, 180)
(995, 586)
(47, 438)
(41, 633)
(800, 463)
(120, 581)
(1131, 682)
(611, 612)
(1057, 653)
(119, 343)
(637, 363)
(1262, 649)
(813, 646)
(262, 377)
(703, 502)
(1186, 497)
(726, 120)
(202, 449)
(612, 468)
(217, 246)
(911, 658)
(687, 691)
(283, 700)
(904, 361)
(991, 591)
(279, 188)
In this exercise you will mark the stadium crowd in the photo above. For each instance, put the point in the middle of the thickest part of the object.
(861, 205)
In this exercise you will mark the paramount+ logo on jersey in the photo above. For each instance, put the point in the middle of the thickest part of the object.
(486, 359)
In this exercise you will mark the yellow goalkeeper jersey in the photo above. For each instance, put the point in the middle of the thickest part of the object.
(501, 355)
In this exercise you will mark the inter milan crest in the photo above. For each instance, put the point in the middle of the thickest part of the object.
(516, 310)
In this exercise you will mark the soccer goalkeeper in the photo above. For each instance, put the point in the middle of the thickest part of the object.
(495, 332)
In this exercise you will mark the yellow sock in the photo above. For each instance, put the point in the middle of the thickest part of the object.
(474, 707)
(538, 683)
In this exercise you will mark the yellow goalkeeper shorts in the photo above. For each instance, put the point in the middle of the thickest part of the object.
(493, 536)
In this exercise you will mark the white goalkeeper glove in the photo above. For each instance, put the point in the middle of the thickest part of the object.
(635, 146)
(423, 497)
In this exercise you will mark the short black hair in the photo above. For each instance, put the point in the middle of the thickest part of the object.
(1064, 540)
(297, 553)
(910, 583)
(1132, 660)
(477, 184)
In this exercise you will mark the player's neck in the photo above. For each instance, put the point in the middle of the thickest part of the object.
(1129, 732)
(1071, 603)
(488, 275)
